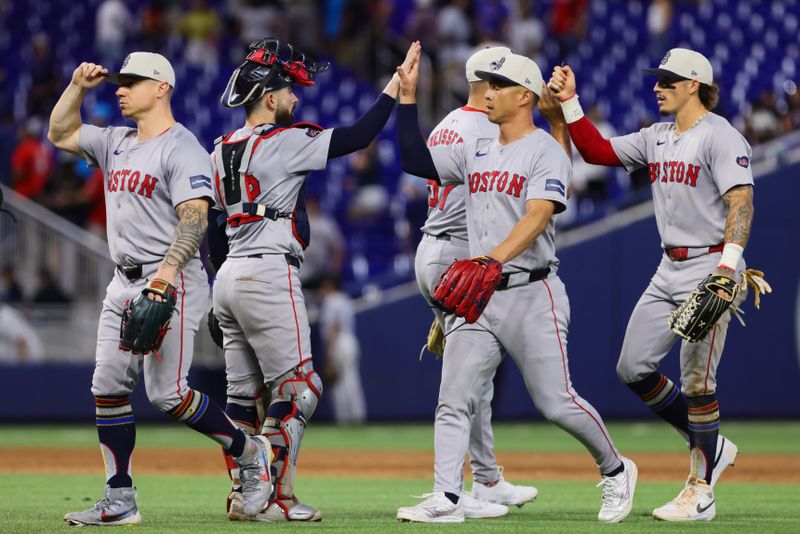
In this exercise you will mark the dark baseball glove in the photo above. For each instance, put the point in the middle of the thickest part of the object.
(214, 329)
(145, 321)
(701, 310)
(466, 287)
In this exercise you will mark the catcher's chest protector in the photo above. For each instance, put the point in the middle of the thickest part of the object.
(239, 191)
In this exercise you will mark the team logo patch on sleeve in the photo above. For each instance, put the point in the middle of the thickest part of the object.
(199, 181)
(554, 185)
(312, 132)
(743, 161)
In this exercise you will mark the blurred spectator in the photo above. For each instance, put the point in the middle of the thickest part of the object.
(113, 24)
(422, 23)
(8, 130)
(492, 21)
(342, 353)
(454, 29)
(659, 26)
(591, 182)
(370, 197)
(303, 20)
(10, 290)
(791, 119)
(154, 27)
(353, 44)
(19, 342)
(410, 209)
(526, 33)
(45, 78)
(31, 161)
(258, 19)
(48, 291)
(568, 25)
(325, 252)
(762, 124)
(201, 26)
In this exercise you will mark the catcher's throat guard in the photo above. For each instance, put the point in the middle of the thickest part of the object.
(269, 66)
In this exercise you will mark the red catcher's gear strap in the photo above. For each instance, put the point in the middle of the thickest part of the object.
(594, 148)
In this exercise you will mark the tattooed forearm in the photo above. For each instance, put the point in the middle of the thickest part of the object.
(189, 233)
(739, 202)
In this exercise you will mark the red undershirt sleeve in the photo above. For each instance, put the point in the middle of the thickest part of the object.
(594, 148)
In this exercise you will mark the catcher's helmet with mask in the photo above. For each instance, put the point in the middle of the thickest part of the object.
(269, 66)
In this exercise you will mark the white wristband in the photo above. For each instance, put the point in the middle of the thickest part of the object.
(572, 109)
(731, 254)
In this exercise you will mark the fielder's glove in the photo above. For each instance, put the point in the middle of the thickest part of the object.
(701, 310)
(466, 286)
(436, 339)
(145, 321)
(214, 329)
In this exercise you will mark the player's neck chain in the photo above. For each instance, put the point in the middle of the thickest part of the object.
(701, 117)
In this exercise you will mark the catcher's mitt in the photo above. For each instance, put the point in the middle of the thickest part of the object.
(466, 286)
(214, 329)
(701, 310)
(145, 321)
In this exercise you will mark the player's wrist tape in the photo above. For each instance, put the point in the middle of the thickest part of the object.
(731, 254)
(572, 109)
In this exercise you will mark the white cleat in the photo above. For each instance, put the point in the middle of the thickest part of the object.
(436, 508)
(477, 509)
(726, 457)
(617, 500)
(504, 492)
(694, 503)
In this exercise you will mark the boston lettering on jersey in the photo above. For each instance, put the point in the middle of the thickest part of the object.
(132, 182)
(445, 137)
(674, 171)
(500, 181)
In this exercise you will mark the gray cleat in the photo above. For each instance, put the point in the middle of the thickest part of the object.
(288, 510)
(118, 507)
(254, 473)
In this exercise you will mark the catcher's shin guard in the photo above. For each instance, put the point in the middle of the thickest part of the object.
(293, 399)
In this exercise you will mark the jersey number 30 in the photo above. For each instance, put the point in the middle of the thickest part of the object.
(434, 189)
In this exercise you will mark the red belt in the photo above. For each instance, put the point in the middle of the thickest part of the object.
(682, 253)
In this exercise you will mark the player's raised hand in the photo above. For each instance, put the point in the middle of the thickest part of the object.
(393, 87)
(549, 107)
(88, 75)
(562, 83)
(409, 75)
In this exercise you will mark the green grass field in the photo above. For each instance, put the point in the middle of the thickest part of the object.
(36, 502)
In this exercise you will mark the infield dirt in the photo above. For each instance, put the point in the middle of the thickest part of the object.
(781, 468)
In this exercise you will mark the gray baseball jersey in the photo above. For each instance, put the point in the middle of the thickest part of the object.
(500, 180)
(275, 175)
(445, 240)
(145, 181)
(689, 174)
(446, 210)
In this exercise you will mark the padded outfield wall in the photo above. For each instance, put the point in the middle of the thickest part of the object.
(604, 275)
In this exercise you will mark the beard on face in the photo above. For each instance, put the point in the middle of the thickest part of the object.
(284, 116)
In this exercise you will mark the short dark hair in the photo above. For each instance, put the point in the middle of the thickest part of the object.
(709, 95)
(250, 107)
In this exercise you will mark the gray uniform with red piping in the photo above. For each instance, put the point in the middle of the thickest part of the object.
(444, 239)
(689, 174)
(529, 314)
(144, 182)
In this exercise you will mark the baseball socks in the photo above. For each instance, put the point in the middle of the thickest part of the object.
(703, 434)
(202, 414)
(116, 430)
(665, 399)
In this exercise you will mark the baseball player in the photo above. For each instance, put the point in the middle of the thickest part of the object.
(517, 182)
(158, 187)
(259, 181)
(444, 239)
(702, 187)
